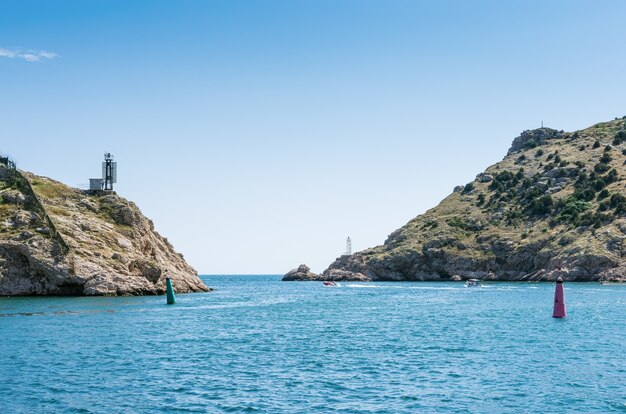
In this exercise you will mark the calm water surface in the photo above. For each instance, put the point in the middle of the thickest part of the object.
(260, 345)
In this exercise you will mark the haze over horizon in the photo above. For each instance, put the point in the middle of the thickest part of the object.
(259, 135)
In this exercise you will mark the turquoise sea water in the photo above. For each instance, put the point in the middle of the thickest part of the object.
(260, 345)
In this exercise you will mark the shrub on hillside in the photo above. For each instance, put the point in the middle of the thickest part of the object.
(601, 167)
(571, 209)
(594, 220)
(531, 143)
(619, 137)
(468, 188)
(466, 224)
(611, 177)
(617, 199)
(540, 206)
(481, 199)
(584, 194)
(604, 206)
(603, 194)
(503, 181)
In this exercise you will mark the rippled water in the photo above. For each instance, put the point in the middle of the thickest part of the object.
(260, 345)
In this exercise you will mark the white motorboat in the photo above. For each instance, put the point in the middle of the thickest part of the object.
(473, 283)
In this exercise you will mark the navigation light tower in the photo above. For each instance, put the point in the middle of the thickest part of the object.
(109, 172)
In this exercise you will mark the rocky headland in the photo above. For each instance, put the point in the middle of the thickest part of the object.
(57, 240)
(554, 206)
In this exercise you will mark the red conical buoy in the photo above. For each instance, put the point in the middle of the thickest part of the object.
(559, 300)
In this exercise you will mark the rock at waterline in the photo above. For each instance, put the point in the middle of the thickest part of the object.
(303, 272)
(57, 240)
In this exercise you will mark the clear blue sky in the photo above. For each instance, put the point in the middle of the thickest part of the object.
(259, 134)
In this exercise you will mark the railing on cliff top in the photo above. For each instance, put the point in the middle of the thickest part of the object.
(9, 164)
(38, 206)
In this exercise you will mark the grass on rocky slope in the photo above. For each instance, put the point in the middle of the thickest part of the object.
(48, 189)
(557, 192)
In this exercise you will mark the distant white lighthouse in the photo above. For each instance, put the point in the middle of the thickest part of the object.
(348, 247)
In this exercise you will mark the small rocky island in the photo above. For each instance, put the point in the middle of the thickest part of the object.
(57, 240)
(554, 206)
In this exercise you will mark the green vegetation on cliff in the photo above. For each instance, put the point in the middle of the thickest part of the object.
(554, 206)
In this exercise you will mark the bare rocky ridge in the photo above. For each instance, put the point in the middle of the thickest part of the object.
(554, 206)
(56, 240)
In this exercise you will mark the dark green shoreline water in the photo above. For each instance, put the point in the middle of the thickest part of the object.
(260, 345)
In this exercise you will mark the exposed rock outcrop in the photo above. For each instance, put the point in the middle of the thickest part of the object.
(56, 240)
(554, 206)
(532, 138)
(303, 272)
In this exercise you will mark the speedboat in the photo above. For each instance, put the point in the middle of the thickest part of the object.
(330, 283)
(473, 283)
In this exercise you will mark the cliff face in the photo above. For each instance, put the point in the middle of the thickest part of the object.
(56, 240)
(554, 206)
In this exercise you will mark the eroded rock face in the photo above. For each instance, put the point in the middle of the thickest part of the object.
(526, 265)
(533, 138)
(337, 275)
(55, 240)
(26, 269)
(303, 272)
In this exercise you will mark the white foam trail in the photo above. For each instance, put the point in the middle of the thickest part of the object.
(365, 286)
(393, 286)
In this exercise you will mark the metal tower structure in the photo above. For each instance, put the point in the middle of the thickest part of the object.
(109, 172)
(348, 247)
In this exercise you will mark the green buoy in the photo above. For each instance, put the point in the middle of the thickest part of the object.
(171, 297)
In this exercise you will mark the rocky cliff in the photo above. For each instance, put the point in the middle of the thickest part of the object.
(554, 206)
(56, 240)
